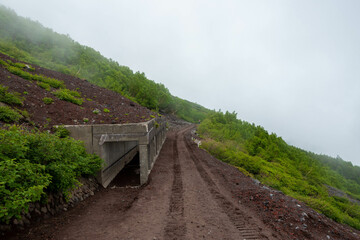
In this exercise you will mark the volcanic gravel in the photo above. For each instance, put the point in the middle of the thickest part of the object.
(122, 110)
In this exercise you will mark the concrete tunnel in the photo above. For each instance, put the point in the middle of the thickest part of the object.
(118, 144)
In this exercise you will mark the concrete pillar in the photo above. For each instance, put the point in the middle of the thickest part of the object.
(144, 163)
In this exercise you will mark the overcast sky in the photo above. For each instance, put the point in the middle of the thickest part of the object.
(290, 66)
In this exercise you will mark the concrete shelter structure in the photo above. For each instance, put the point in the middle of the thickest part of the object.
(117, 145)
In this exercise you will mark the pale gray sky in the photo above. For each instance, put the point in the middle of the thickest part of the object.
(290, 66)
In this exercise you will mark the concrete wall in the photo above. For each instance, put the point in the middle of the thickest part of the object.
(117, 144)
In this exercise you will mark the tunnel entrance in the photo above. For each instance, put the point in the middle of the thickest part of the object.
(117, 144)
(129, 176)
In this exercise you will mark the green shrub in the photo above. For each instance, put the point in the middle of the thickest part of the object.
(20, 73)
(51, 81)
(10, 98)
(18, 65)
(21, 182)
(69, 96)
(106, 110)
(14, 69)
(9, 115)
(62, 132)
(48, 100)
(32, 162)
(24, 113)
(43, 85)
(2, 62)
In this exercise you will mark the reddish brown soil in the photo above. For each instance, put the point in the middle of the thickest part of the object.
(190, 195)
(122, 110)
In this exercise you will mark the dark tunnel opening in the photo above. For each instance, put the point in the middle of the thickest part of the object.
(129, 176)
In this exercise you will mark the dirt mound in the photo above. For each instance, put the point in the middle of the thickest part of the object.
(96, 99)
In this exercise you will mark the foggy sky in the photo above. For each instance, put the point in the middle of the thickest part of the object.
(291, 66)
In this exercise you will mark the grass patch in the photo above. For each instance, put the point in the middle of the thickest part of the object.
(43, 85)
(69, 96)
(10, 98)
(48, 100)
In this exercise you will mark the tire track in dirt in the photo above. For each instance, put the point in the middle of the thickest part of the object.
(239, 219)
(176, 226)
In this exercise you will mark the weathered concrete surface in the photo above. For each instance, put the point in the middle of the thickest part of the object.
(117, 144)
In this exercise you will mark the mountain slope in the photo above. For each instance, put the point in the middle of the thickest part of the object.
(29, 41)
(294, 171)
(44, 107)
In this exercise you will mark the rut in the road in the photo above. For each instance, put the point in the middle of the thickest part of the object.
(242, 222)
(176, 226)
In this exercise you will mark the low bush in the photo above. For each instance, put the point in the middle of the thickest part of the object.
(62, 132)
(20, 73)
(10, 98)
(43, 85)
(48, 100)
(16, 68)
(69, 96)
(21, 182)
(33, 163)
(8, 115)
(51, 81)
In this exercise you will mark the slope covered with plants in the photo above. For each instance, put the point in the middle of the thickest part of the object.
(29, 41)
(34, 163)
(303, 175)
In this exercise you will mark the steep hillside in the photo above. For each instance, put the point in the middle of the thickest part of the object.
(42, 105)
(29, 41)
(298, 173)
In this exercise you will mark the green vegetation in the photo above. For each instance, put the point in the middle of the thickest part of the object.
(7, 97)
(96, 111)
(69, 95)
(32, 163)
(295, 172)
(14, 69)
(48, 100)
(62, 132)
(29, 41)
(44, 86)
(9, 115)
(106, 110)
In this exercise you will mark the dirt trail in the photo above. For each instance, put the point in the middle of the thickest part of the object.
(190, 195)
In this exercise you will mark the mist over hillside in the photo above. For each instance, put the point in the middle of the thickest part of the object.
(291, 67)
(330, 185)
(29, 41)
